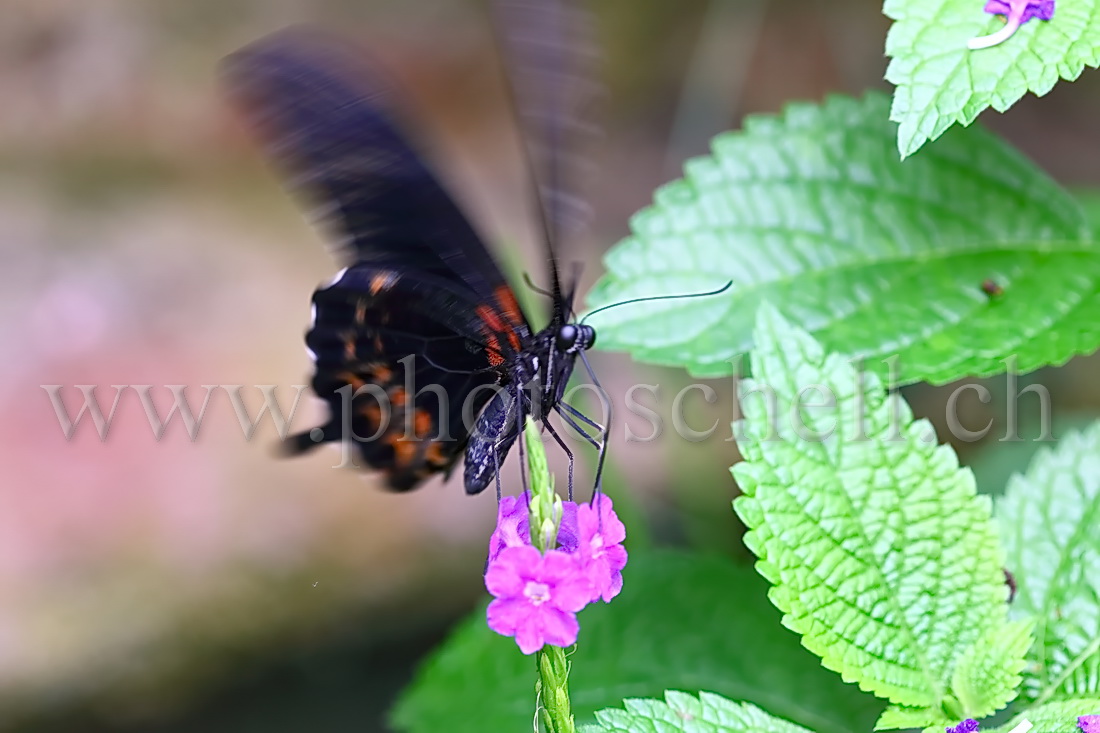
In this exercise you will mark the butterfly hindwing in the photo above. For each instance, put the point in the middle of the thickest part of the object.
(398, 358)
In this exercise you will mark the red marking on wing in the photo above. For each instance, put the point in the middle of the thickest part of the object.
(492, 350)
(509, 306)
(494, 326)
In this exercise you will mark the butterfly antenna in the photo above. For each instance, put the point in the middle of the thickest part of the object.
(575, 282)
(531, 284)
(601, 309)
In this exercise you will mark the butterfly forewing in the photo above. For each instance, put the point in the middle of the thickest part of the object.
(329, 117)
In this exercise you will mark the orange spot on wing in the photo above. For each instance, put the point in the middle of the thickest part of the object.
(382, 281)
(490, 318)
(352, 379)
(380, 373)
(373, 412)
(404, 450)
(435, 455)
(492, 345)
(494, 325)
(422, 423)
(509, 306)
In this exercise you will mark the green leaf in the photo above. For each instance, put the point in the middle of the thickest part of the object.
(1054, 717)
(707, 713)
(896, 717)
(813, 212)
(941, 82)
(988, 673)
(1050, 519)
(1089, 199)
(685, 621)
(881, 553)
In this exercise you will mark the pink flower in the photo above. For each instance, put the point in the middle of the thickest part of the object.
(1089, 723)
(600, 535)
(1016, 12)
(536, 596)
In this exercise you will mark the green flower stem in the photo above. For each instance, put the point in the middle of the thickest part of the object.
(555, 710)
(552, 688)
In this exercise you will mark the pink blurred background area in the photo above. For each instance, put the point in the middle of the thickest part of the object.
(172, 584)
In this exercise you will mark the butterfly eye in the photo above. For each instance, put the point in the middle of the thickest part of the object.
(587, 337)
(566, 338)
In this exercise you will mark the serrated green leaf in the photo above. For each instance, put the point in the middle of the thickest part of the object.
(1049, 518)
(896, 717)
(877, 258)
(988, 674)
(682, 620)
(1054, 717)
(707, 713)
(886, 559)
(941, 82)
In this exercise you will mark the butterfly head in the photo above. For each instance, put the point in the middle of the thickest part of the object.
(574, 337)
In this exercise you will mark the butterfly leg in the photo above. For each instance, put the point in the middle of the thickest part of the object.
(605, 433)
(598, 446)
(580, 416)
(496, 465)
(519, 438)
(564, 447)
(568, 420)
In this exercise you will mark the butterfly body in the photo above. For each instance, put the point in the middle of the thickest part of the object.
(534, 384)
(421, 350)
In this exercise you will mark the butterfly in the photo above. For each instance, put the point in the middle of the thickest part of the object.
(421, 349)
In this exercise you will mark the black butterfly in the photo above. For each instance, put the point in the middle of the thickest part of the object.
(421, 323)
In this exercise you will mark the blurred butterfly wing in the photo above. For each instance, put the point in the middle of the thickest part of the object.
(327, 116)
(419, 283)
(550, 50)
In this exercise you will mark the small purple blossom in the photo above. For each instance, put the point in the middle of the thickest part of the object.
(600, 547)
(967, 726)
(1028, 9)
(1016, 12)
(1089, 723)
(537, 596)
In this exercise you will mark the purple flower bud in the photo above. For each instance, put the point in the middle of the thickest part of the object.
(514, 525)
(967, 726)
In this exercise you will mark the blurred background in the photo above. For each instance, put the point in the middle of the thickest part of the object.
(178, 585)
